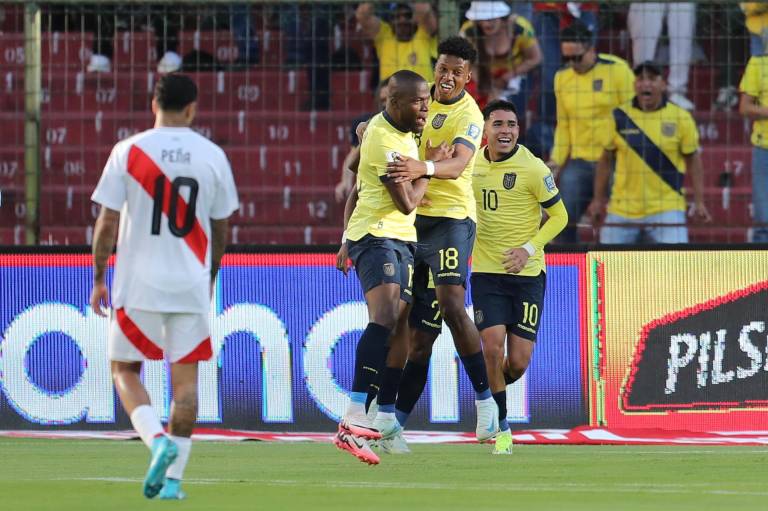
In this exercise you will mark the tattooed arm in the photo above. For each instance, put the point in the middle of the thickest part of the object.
(104, 236)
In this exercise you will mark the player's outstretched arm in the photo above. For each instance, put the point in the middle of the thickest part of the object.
(406, 195)
(104, 236)
(408, 169)
(219, 230)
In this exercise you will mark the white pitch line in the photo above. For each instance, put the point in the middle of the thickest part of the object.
(672, 488)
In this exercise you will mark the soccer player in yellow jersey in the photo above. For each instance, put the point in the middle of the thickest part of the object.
(511, 187)
(754, 106)
(446, 233)
(587, 90)
(656, 142)
(380, 235)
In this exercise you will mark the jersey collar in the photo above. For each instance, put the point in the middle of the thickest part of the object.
(636, 104)
(507, 156)
(391, 121)
(450, 101)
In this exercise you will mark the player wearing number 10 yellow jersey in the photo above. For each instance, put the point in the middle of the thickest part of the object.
(511, 186)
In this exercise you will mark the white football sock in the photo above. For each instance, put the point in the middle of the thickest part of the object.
(355, 409)
(176, 470)
(146, 424)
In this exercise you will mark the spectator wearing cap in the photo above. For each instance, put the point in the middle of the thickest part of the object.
(754, 106)
(587, 90)
(507, 51)
(407, 41)
(644, 22)
(655, 143)
(756, 19)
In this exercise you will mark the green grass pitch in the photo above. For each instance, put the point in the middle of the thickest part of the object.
(106, 476)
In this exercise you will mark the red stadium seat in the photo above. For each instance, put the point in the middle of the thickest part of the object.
(288, 206)
(80, 235)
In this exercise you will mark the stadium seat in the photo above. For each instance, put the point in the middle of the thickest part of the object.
(76, 235)
(294, 235)
(288, 206)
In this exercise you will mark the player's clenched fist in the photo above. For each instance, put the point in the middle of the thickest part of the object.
(515, 259)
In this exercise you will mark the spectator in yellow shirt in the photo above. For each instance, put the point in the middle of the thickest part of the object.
(756, 14)
(408, 41)
(655, 143)
(754, 106)
(586, 90)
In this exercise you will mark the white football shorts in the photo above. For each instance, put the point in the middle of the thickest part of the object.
(136, 335)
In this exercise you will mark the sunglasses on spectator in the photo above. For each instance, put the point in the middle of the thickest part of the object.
(573, 58)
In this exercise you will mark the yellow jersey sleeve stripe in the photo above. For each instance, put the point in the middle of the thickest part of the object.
(464, 141)
(551, 202)
(647, 150)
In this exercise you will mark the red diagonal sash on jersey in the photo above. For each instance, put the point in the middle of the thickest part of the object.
(132, 332)
(145, 172)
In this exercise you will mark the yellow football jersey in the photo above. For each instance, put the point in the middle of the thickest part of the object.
(650, 165)
(755, 83)
(584, 105)
(509, 195)
(457, 122)
(417, 55)
(375, 212)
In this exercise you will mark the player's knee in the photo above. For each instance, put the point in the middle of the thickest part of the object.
(493, 354)
(453, 312)
(420, 352)
(121, 371)
(517, 367)
(386, 317)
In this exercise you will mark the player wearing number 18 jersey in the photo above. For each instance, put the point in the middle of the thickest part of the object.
(511, 186)
(172, 192)
(446, 231)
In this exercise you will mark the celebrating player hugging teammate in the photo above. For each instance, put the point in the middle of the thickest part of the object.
(446, 232)
(381, 238)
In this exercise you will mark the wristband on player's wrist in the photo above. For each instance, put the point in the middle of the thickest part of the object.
(430, 168)
(343, 237)
(529, 248)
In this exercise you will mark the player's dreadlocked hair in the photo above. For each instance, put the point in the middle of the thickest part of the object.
(457, 46)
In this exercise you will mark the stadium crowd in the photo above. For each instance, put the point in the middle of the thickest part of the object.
(567, 67)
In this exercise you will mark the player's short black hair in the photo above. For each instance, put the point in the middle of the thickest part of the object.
(458, 46)
(498, 104)
(174, 91)
(576, 32)
(404, 78)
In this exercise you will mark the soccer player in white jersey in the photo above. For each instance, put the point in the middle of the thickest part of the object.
(172, 192)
